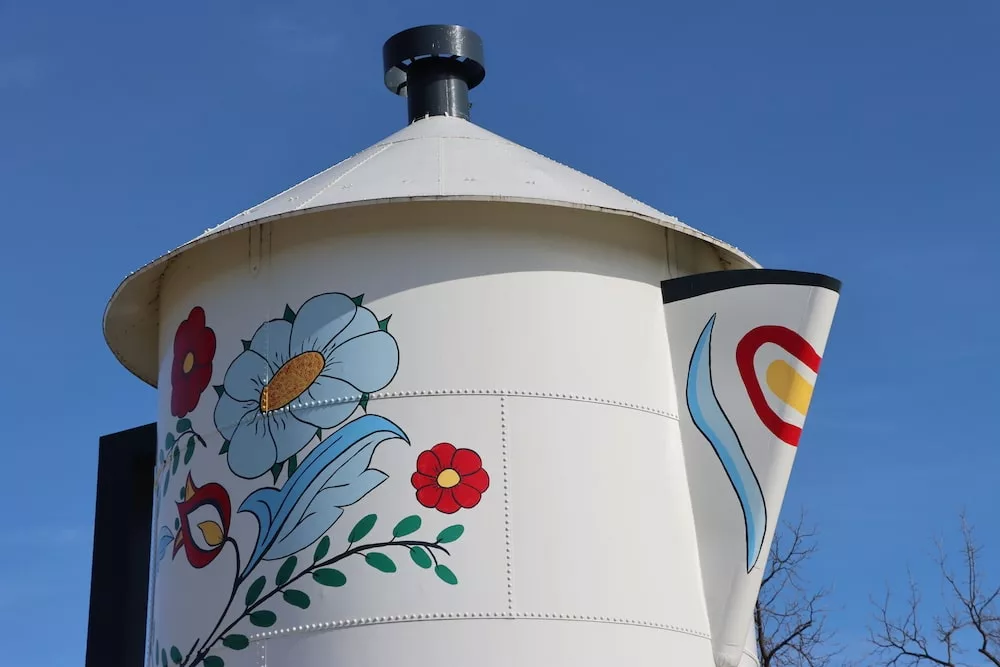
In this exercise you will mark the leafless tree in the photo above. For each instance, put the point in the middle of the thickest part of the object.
(966, 633)
(790, 617)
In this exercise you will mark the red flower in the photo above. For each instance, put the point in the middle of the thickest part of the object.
(194, 349)
(202, 551)
(448, 479)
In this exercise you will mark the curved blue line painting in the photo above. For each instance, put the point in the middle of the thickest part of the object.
(709, 417)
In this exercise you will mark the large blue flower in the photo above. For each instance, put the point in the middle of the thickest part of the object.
(300, 376)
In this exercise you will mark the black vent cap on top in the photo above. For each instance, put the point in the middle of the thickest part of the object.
(434, 67)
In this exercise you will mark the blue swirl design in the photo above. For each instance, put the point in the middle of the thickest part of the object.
(711, 420)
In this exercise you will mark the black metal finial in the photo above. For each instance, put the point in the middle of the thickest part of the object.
(434, 67)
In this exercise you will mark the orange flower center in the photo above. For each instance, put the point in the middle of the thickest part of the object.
(188, 362)
(448, 478)
(293, 378)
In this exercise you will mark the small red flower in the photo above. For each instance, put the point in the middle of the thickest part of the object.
(194, 350)
(202, 551)
(448, 479)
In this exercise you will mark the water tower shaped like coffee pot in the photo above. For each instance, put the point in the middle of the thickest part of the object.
(450, 401)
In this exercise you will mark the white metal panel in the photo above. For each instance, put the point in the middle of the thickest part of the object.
(521, 641)
(442, 156)
(601, 516)
(613, 248)
(745, 359)
(750, 658)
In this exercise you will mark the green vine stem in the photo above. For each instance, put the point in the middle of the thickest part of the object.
(174, 451)
(197, 436)
(202, 653)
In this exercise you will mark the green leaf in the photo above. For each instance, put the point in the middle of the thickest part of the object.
(293, 464)
(407, 526)
(364, 402)
(175, 655)
(296, 598)
(322, 549)
(220, 389)
(177, 460)
(285, 571)
(225, 447)
(276, 470)
(168, 441)
(189, 450)
(384, 324)
(445, 575)
(380, 562)
(177, 524)
(329, 577)
(163, 657)
(235, 642)
(213, 661)
(166, 483)
(263, 618)
(183, 425)
(246, 345)
(358, 299)
(256, 588)
(181, 496)
(362, 528)
(289, 314)
(420, 557)
(450, 534)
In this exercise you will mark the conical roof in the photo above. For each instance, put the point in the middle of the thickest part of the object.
(435, 158)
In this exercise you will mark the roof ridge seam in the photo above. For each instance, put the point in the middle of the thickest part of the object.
(341, 176)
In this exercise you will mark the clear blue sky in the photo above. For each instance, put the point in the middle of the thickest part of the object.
(856, 138)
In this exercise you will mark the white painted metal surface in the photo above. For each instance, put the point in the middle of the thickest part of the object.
(745, 361)
(457, 331)
(432, 159)
(531, 336)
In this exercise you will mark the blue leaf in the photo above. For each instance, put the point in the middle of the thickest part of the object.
(164, 541)
(334, 475)
(713, 422)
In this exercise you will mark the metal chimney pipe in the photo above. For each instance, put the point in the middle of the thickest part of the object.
(434, 67)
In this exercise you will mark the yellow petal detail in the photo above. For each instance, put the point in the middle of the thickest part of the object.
(212, 532)
(789, 386)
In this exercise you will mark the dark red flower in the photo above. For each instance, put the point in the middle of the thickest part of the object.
(194, 350)
(448, 479)
(202, 550)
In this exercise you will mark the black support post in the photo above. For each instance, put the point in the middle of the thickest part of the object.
(119, 579)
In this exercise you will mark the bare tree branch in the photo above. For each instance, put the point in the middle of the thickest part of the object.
(970, 623)
(789, 619)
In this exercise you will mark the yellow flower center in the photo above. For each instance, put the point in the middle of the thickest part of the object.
(448, 478)
(188, 362)
(293, 378)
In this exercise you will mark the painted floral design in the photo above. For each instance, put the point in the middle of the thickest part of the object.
(296, 379)
(304, 372)
(191, 371)
(448, 479)
(213, 525)
(334, 475)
